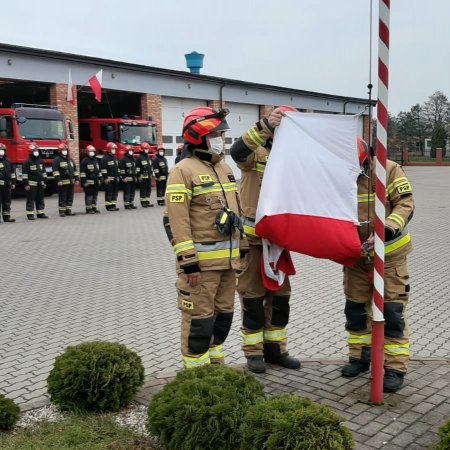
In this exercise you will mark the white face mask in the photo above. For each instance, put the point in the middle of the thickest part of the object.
(130, 152)
(91, 154)
(64, 152)
(161, 153)
(145, 151)
(216, 145)
(35, 153)
(2, 153)
(113, 151)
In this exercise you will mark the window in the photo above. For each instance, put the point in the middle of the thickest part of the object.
(167, 139)
(228, 140)
(85, 132)
(168, 152)
(179, 140)
(104, 129)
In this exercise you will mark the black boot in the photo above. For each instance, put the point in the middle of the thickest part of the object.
(30, 217)
(357, 366)
(392, 381)
(256, 364)
(133, 207)
(70, 213)
(8, 219)
(273, 355)
(42, 216)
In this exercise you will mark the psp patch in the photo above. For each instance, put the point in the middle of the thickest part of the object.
(187, 305)
(231, 178)
(404, 188)
(205, 178)
(176, 198)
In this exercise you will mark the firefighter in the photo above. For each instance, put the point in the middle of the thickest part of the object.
(144, 173)
(358, 281)
(127, 170)
(265, 313)
(7, 183)
(201, 221)
(90, 179)
(179, 152)
(34, 178)
(109, 168)
(66, 175)
(161, 170)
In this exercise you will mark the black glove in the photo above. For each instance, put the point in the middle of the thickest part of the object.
(390, 234)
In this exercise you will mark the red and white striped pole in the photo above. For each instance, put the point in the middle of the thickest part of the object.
(380, 204)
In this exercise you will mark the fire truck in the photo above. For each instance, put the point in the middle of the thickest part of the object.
(123, 132)
(43, 125)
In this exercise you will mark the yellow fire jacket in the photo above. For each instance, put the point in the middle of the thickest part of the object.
(196, 191)
(251, 157)
(399, 209)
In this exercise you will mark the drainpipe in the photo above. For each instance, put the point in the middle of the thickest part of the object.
(345, 103)
(221, 94)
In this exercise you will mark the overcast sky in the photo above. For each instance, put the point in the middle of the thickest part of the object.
(316, 45)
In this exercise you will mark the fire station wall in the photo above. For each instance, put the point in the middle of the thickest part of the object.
(151, 105)
(58, 97)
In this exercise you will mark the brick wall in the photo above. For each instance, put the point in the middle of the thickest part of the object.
(151, 105)
(58, 97)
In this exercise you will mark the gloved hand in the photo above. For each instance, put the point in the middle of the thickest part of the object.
(389, 234)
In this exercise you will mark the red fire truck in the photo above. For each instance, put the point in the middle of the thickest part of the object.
(124, 132)
(41, 124)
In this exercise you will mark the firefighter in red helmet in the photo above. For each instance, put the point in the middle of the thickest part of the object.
(161, 171)
(358, 280)
(90, 179)
(109, 168)
(202, 223)
(66, 175)
(265, 313)
(7, 184)
(179, 152)
(34, 178)
(144, 170)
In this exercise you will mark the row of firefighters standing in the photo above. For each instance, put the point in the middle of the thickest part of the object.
(212, 231)
(109, 171)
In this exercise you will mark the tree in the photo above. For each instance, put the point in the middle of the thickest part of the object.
(438, 139)
(436, 110)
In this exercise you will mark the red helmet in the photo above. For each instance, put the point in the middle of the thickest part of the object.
(61, 147)
(110, 146)
(145, 146)
(32, 148)
(202, 121)
(286, 108)
(161, 148)
(90, 148)
(363, 150)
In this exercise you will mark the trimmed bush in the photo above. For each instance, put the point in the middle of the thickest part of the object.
(95, 376)
(444, 434)
(292, 423)
(203, 408)
(9, 413)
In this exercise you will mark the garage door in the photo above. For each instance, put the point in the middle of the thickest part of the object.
(174, 110)
(241, 118)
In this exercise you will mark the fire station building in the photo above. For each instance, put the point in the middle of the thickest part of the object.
(130, 90)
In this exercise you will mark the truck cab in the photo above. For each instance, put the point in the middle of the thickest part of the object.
(23, 124)
(123, 132)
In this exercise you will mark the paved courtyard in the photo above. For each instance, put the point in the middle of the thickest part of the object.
(111, 277)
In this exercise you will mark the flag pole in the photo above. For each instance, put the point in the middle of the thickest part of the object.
(380, 204)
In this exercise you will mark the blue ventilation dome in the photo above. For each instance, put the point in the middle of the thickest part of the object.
(194, 61)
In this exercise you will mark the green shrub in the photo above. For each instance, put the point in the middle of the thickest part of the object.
(203, 408)
(444, 434)
(9, 413)
(95, 376)
(292, 423)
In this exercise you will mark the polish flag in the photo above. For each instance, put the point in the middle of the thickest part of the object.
(308, 201)
(70, 90)
(96, 85)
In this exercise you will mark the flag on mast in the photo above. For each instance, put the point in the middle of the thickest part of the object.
(70, 90)
(96, 85)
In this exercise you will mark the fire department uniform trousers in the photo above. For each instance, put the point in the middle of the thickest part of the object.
(5, 199)
(35, 196)
(358, 281)
(265, 313)
(145, 190)
(111, 193)
(65, 197)
(129, 191)
(196, 192)
(90, 196)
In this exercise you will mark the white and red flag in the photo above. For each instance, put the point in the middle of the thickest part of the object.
(71, 90)
(309, 199)
(96, 84)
